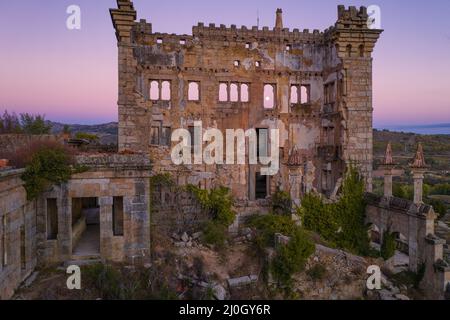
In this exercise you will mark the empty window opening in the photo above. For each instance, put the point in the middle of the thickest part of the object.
(288, 47)
(155, 133)
(193, 91)
(234, 93)
(257, 64)
(262, 135)
(260, 186)
(165, 90)
(269, 96)
(223, 92)
(361, 51)
(305, 94)
(4, 244)
(154, 90)
(294, 94)
(329, 93)
(117, 216)
(159, 41)
(52, 219)
(247, 45)
(349, 50)
(237, 63)
(166, 133)
(23, 260)
(182, 42)
(244, 93)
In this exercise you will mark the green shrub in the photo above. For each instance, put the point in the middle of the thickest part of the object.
(281, 203)
(214, 233)
(388, 246)
(317, 272)
(87, 136)
(341, 223)
(268, 225)
(34, 124)
(291, 258)
(217, 202)
(48, 165)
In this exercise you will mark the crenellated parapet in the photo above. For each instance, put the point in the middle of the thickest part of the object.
(255, 34)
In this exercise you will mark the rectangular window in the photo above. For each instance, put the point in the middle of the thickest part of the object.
(305, 94)
(117, 216)
(52, 219)
(154, 135)
(260, 186)
(166, 136)
(263, 142)
(23, 260)
(4, 244)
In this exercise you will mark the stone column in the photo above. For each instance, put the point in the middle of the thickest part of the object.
(388, 183)
(418, 185)
(106, 232)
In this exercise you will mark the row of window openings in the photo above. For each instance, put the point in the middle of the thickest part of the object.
(231, 92)
(248, 45)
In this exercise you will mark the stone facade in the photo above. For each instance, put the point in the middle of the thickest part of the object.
(46, 231)
(322, 97)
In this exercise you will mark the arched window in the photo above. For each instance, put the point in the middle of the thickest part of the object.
(223, 92)
(165, 91)
(361, 51)
(234, 94)
(193, 91)
(244, 93)
(294, 94)
(269, 96)
(349, 50)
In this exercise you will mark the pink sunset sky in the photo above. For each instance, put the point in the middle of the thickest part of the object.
(71, 76)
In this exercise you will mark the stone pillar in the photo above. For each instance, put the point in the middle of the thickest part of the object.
(106, 233)
(388, 183)
(418, 186)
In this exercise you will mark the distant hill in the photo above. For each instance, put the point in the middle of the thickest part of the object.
(107, 132)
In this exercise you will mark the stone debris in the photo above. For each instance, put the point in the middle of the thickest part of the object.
(242, 281)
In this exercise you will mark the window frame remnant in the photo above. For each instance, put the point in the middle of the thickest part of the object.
(234, 92)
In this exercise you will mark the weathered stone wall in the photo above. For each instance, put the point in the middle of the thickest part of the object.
(18, 233)
(332, 129)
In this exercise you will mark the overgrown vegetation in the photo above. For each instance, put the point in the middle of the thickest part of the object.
(24, 123)
(218, 203)
(281, 203)
(48, 166)
(340, 223)
(289, 258)
(388, 245)
(410, 278)
(93, 138)
(115, 283)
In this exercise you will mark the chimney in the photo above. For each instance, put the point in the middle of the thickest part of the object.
(279, 20)
(418, 167)
(388, 165)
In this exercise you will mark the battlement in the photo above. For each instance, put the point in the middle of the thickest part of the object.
(352, 16)
(212, 31)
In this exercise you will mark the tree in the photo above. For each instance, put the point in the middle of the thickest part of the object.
(34, 124)
(9, 123)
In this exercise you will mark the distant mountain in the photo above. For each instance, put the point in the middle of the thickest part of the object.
(107, 132)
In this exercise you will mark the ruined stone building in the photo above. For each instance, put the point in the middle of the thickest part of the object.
(315, 87)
